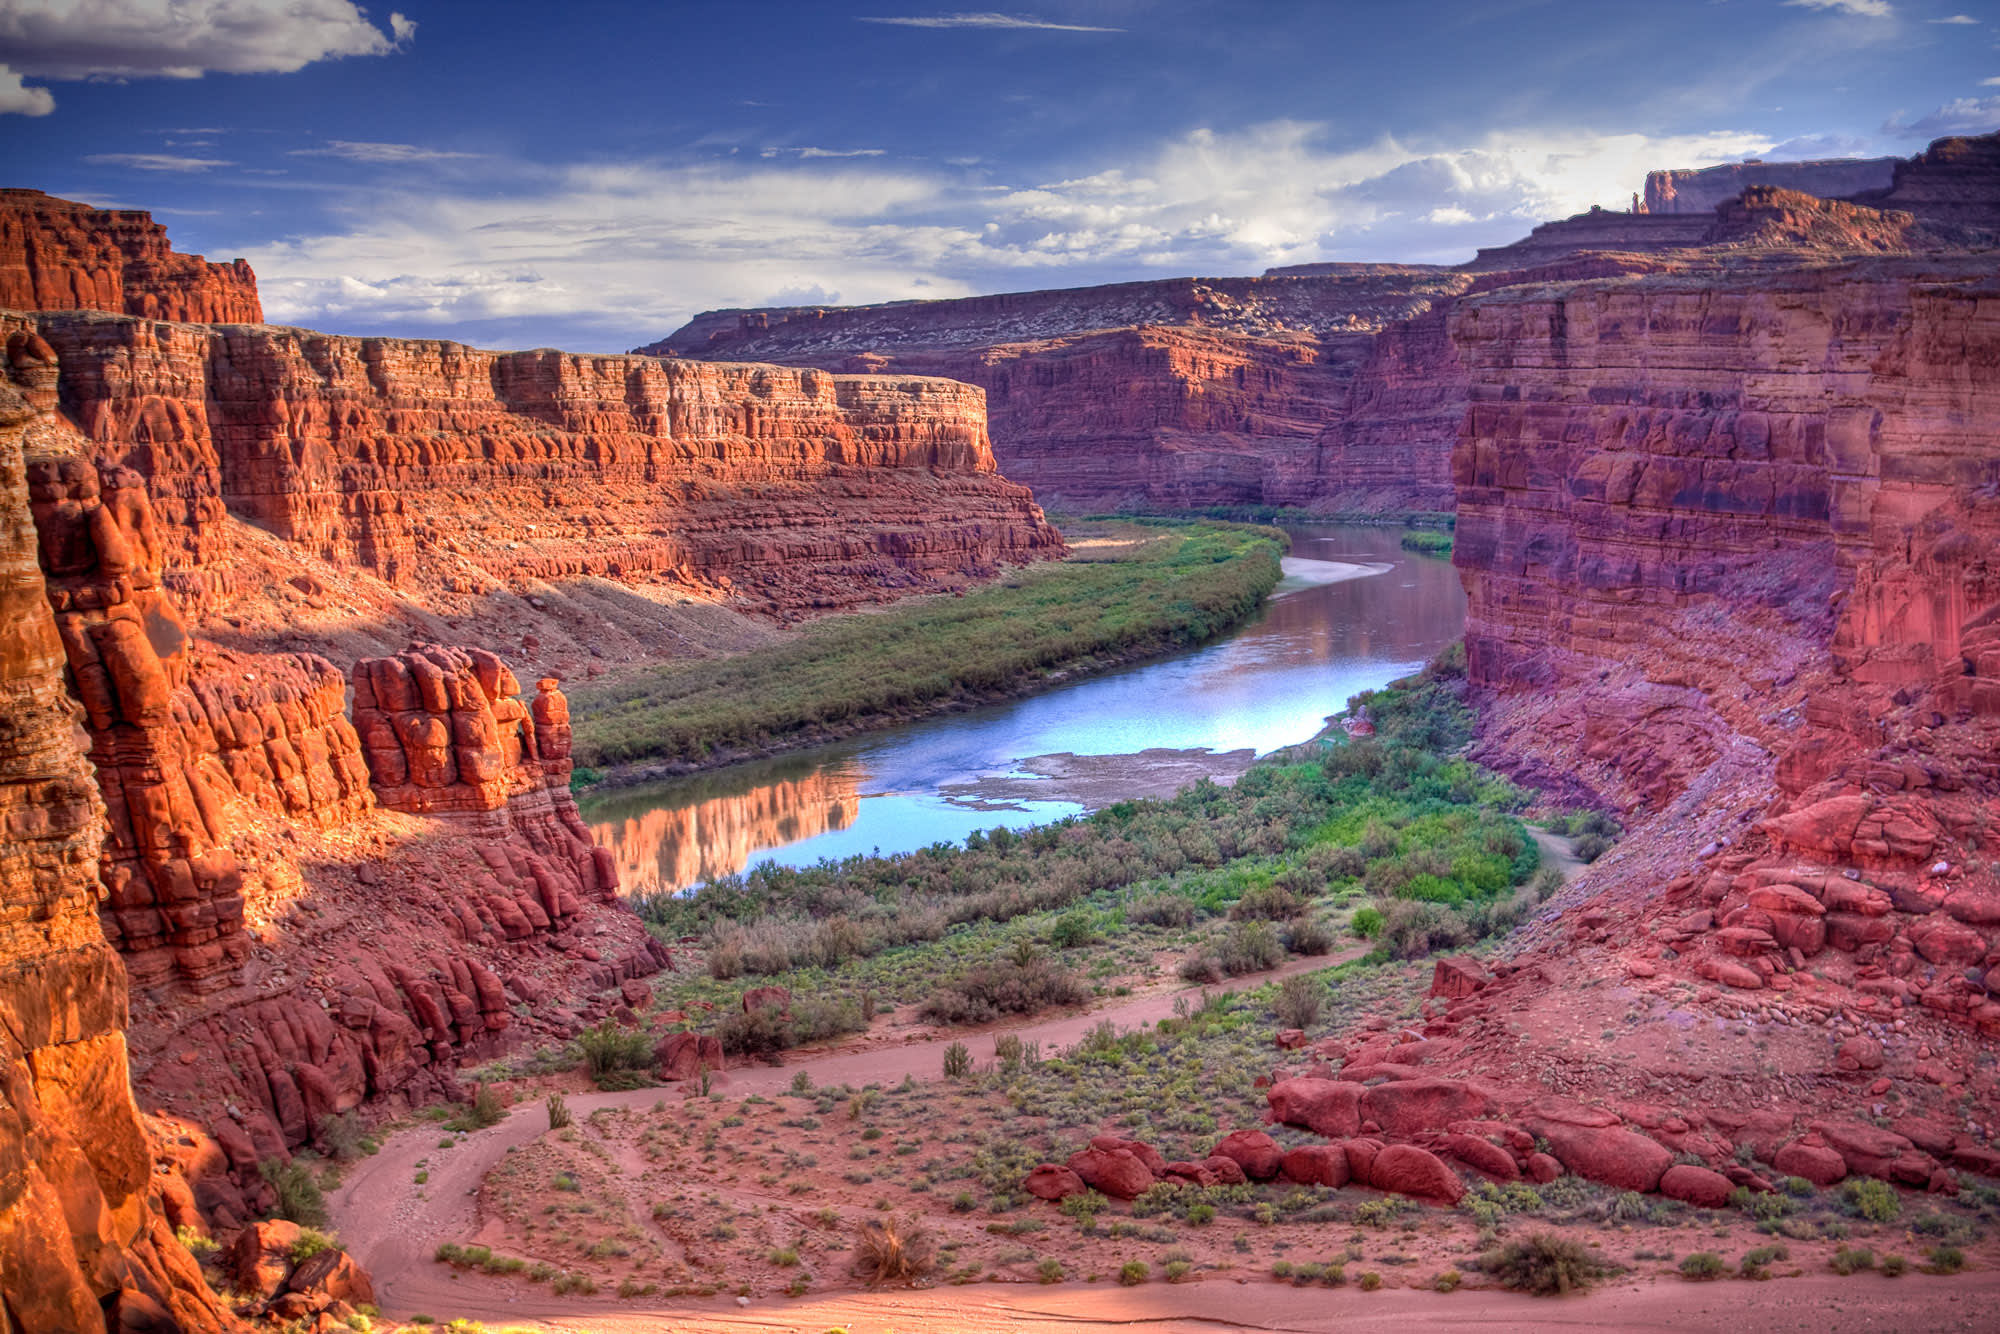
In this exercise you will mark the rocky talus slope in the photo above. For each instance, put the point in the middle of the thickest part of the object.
(1328, 387)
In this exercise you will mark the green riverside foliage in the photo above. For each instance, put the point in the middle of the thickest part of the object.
(1429, 543)
(1182, 587)
(966, 931)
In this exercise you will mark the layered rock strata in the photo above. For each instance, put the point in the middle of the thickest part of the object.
(84, 1244)
(59, 255)
(462, 482)
(1173, 394)
(1702, 191)
(1329, 387)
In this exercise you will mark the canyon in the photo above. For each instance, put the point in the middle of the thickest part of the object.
(1728, 509)
(1328, 388)
(328, 886)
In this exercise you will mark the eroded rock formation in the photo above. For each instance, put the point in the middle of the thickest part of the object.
(1298, 388)
(1701, 191)
(60, 255)
(84, 1244)
(538, 491)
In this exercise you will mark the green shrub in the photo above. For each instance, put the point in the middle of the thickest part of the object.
(1049, 1271)
(1945, 1259)
(1875, 1201)
(1367, 923)
(613, 1055)
(1703, 1266)
(1757, 1263)
(1370, 1281)
(1543, 1264)
(310, 1243)
(1448, 1281)
(1250, 947)
(1134, 1272)
(1852, 1260)
(985, 992)
(1177, 1270)
(300, 1199)
(1073, 930)
(559, 1115)
(1894, 1266)
(1299, 1000)
(957, 1061)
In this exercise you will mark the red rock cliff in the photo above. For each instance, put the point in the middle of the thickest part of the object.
(1174, 394)
(1701, 190)
(60, 255)
(455, 475)
(84, 1244)
(1733, 557)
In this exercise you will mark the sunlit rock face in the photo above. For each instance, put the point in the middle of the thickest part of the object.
(59, 255)
(673, 847)
(83, 1240)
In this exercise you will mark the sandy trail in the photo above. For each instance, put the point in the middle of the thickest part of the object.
(393, 1226)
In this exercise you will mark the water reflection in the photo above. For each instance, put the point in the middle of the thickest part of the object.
(1272, 683)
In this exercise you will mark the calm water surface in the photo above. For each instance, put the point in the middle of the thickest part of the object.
(1270, 684)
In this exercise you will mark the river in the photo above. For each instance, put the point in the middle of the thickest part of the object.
(1354, 612)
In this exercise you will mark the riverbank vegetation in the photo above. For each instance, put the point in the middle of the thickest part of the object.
(1129, 590)
(1428, 542)
(1392, 840)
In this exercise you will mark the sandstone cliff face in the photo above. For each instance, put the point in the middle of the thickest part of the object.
(60, 255)
(1701, 191)
(80, 1226)
(1729, 542)
(457, 480)
(1177, 394)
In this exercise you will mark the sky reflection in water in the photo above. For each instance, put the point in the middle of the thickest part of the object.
(1272, 683)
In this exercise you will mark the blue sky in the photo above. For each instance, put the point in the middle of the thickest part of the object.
(587, 175)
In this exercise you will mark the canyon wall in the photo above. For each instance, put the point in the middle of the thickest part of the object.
(1328, 387)
(1176, 394)
(84, 1243)
(1732, 553)
(470, 483)
(1699, 191)
(59, 255)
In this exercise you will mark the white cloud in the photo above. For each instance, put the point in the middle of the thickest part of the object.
(1965, 115)
(1989, 83)
(988, 20)
(806, 153)
(1960, 19)
(1873, 9)
(183, 39)
(18, 100)
(156, 161)
(359, 151)
(610, 255)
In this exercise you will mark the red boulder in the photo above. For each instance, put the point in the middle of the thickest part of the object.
(1696, 1185)
(1330, 1107)
(1050, 1182)
(1254, 1151)
(1317, 1165)
(1408, 1170)
(1115, 1172)
(1412, 1106)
